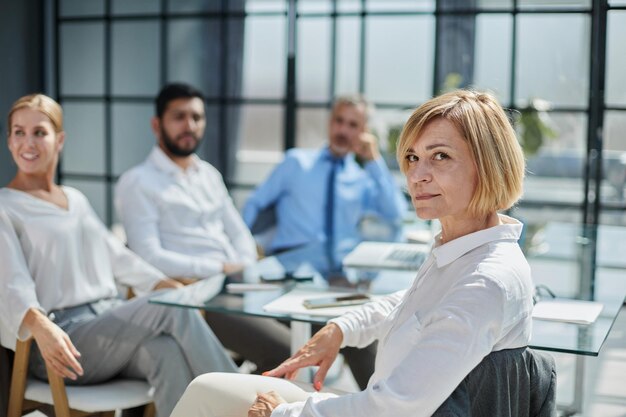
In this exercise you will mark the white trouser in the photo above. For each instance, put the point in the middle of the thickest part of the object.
(231, 395)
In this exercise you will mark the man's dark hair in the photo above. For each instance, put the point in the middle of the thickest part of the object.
(172, 92)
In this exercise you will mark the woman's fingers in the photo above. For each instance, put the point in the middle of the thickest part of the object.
(71, 355)
(54, 344)
(58, 367)
(69, 360)
(290, 366)
(292, 375)
(62, 355)
(321, 350)
(264, 404)
(320, 375)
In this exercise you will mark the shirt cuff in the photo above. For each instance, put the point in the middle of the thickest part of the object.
(23, 333)
(344, 325)
(288, 409)
(204, 268)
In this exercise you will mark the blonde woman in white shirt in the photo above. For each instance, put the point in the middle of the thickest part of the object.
(58, 264)
(472, 296)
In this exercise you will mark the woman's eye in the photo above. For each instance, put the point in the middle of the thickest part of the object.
(19, 133)
(440, 156)
(40, 133)
(411, 158)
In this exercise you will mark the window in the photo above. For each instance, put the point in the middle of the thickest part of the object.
(269, 69)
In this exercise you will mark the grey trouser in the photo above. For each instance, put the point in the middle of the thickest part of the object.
(264, 341)
(167, 346)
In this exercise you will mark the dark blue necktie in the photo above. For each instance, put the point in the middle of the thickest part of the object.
(330, 211)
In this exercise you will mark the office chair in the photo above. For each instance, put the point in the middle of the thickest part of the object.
(509, 383)
(27, 394)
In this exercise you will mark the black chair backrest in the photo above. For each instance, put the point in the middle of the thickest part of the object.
(508, 383)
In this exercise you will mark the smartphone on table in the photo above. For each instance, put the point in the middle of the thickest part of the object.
(340, 301)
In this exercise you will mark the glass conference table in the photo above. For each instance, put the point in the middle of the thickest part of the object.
(307, 268)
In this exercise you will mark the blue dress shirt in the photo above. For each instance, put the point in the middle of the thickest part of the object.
(297, 188)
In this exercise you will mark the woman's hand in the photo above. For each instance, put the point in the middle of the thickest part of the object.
(167, 283)
(265, 404)
(232, 268)
(54, 344)
(321, 350)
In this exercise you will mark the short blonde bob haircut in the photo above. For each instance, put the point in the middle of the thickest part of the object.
(43, 104)
(497, 153)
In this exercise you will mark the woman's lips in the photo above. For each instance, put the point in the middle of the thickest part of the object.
(422, 197)
(29, 156)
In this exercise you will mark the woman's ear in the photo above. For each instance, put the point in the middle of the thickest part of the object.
(60, 140)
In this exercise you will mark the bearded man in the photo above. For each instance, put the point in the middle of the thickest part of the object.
(179, 217)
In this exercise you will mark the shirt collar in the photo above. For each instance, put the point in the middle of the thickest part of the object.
(166, 165)
(509, 229)
(327, 154)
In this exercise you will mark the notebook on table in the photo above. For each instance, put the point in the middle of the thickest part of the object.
(566, 310)
(386, 255)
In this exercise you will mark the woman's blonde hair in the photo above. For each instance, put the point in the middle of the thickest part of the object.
(483, 123)
(43, 104)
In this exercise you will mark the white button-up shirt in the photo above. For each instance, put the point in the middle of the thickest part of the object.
(472, 296)
(52, 258)
(182, 221)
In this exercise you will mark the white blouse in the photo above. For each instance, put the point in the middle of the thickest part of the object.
(472, 296)
(52, 258)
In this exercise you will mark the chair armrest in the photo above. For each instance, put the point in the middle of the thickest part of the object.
(59, 396)
(18, 378)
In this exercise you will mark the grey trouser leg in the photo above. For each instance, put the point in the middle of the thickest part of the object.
(113, 337)
(266, 342)
(155, 358)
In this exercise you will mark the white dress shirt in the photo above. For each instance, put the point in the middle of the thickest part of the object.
(182, 221)
(52, 258)
(472, 296)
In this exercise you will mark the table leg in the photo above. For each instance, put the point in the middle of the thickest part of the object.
(576, 406)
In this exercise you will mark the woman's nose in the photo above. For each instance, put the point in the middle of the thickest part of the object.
(419, 172)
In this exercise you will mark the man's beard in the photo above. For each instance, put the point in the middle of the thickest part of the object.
(340, 144)
(172, 146)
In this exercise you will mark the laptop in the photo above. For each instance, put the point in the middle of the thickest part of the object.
(386, 255)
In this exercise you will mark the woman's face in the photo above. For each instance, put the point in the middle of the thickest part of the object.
(441, 174)
(33, 143)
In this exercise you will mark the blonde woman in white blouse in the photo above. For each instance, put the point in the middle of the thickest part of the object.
(58, 266)
(472, 296)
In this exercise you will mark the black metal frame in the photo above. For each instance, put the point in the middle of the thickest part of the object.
(590, 208)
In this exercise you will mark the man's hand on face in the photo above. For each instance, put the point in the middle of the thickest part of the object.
(365, 147)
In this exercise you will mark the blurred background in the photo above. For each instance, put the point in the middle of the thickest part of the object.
(269, 69)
